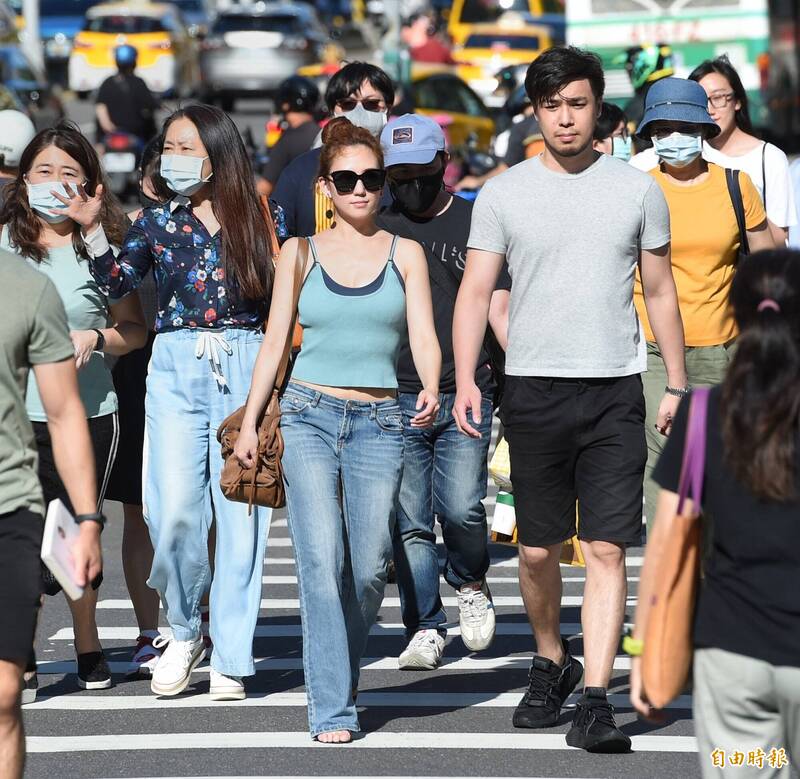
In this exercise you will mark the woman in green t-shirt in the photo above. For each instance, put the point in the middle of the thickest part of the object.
(60, 160)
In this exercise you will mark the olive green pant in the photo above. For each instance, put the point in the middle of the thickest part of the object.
(705, 365)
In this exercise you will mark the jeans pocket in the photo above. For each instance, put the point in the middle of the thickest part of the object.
(293, 404)
(390, 420)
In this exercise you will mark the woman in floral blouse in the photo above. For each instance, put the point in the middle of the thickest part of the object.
(211, 253)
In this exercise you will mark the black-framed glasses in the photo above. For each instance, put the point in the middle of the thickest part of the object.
(720, 100)
(374, 104)
(345, 181)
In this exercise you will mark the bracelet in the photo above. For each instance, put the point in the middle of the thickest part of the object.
(632, 646)
(678, 392)
(98, 517)
(101, 340)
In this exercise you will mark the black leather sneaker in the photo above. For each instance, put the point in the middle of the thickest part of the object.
(93, 671)
(594, 728)
(549, 685)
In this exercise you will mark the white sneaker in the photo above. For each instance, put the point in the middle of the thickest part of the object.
(226, 688)
(476, 616)
(424, 651)
(145, 658)
(175, 666)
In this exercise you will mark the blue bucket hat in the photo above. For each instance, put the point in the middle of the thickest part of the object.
(677, 100)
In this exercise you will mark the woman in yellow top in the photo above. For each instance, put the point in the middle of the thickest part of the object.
(705, 244)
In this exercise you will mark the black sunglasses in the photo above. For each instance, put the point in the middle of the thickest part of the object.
(345, 180)
(370, 103)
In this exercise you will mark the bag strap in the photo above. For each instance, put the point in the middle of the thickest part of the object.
(764, 174)
(735, 192)
(300, 262)
(694, 451)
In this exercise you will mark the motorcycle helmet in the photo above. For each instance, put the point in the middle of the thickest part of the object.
(299, 94)
(125, 56)
(648, 63)
(16, 132)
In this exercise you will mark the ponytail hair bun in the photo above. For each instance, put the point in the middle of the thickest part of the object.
(340, 134)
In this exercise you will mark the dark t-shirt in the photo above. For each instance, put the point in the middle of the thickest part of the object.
(748, 600)
(131, 105)
(293, 142)
(516, 139)
(444, 239)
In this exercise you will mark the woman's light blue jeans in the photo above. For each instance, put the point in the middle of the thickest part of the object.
(196, 379)
(342, 463)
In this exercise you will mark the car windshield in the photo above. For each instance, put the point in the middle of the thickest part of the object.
(503, 42)
(488, 11)
(65, 7)
(286, 24)
(125, 25)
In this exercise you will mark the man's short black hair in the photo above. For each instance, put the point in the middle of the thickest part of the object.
(349, 80)
(608, 121)
(552, 70)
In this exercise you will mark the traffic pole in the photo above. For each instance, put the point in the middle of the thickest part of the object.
(31, 35)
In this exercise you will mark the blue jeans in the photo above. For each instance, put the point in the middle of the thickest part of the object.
(341, 464)
(186, 402)
(444, 475)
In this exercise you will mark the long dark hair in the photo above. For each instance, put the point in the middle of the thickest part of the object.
(247, 248)
(25, 227)
(722, 66)
(761, 392)
(150, 168)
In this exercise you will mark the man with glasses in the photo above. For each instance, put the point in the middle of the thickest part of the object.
(364, 94)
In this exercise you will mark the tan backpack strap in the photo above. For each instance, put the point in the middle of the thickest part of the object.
(300, 262)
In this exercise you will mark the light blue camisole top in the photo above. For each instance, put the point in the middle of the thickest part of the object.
(351, 335)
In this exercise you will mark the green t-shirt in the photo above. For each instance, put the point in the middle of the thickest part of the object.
(86, 308)
(33, 331)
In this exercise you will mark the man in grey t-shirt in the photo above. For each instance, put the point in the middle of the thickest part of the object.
(573, 225)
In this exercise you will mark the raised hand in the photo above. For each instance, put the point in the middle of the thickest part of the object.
(80, 206)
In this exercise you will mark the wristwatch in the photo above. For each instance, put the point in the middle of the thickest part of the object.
(632, 646)
(98, 517)
(101, 340)
(679, 392)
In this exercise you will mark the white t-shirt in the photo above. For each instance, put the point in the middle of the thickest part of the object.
(780, 201)
(794, 232)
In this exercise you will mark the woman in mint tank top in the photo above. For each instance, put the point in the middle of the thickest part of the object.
(360, 288)
(59, 160)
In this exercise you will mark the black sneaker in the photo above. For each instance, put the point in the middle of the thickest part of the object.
(549, 686)
(593, 728)
(93, 671)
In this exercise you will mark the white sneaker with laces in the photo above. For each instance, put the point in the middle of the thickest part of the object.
(145, 658)
(423, 653)
(476, 616)
(226, 688)
(176, 664)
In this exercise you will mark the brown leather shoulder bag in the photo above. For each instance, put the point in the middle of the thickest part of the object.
(261, 485)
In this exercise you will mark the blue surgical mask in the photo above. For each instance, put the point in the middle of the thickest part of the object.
(183, 174)
(621, 148)
(372, 121)
(679, 149)
(42, 200)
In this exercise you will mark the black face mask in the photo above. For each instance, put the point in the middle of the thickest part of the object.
(416, 196)
(147, 202)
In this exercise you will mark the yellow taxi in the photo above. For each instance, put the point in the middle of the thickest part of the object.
(437, 91)
(167, 55)
(488, 48)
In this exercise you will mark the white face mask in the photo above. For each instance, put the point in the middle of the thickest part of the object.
(42, 200)
(183, 173)
(679, 149)
(372, 121)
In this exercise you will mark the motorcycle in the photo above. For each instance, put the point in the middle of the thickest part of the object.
(120, 157)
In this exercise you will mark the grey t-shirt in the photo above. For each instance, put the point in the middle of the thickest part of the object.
(572, 242)
(34, 331)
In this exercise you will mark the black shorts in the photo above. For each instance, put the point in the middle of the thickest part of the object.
(104, 432)
(20, 582)
(576, 440)
(130, 379)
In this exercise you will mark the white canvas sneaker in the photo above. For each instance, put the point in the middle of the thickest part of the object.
(226, 688)
(175, 666)
(423, 653)
(476, 616)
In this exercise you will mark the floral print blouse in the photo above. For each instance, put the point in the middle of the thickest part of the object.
(193, 289)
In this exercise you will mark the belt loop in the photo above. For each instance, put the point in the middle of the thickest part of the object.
(550, 383)
(373, 410)
(315, 400)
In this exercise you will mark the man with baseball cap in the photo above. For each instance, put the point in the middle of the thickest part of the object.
(444, 473)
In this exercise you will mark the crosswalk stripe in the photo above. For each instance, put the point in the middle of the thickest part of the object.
(367, 664)
(435, 700)
(388, 603)
(301, 740)
(289, 630)
(273, 579)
